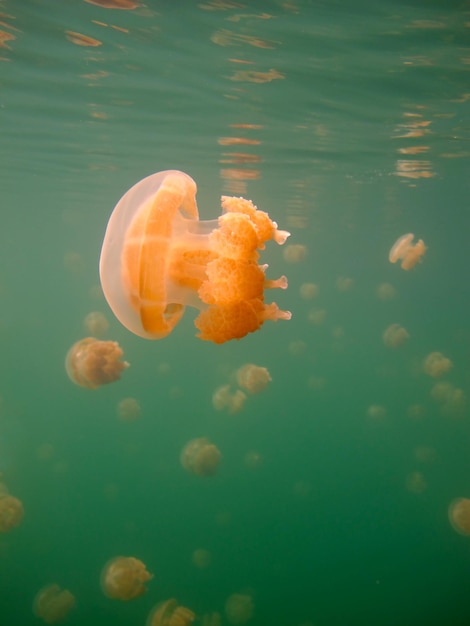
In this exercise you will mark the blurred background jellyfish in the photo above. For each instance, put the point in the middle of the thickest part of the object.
(157, 257)
(52, 604)
(344, 283)
(224, 398)
(415, 482)
(459, 515)
(128, 410)
(451, 399)
(170, 613)
(404, 250)
(253, 378)
(200, 457)
(376, 412)
(386, 292)
(96, 324)
(436, 364)
(295, 253)
(394, 336)
(11, 510)
(124, 578)
(201, 558)
(308, 291)
(91, 363)
(239, 608)
(211, 619)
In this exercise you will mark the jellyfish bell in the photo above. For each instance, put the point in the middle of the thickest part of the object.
(52, 604)
(239, 608)
(91, 363)
(157, 257)
(170, 613)
(404, 250)
(11, 512)
(124, 578)
(201, 457)
(253, 378)
(459, 515)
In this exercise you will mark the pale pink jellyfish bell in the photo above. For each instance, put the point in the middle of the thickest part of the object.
(158, 257)
(404, 250)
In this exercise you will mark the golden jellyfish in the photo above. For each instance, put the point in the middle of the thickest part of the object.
(96, 324)
(211, 619)
(200, 457)
(394, 336)
(224, 398)
(52, 604)
(436, 364)
(201, 558)
(170, 613)
(11, 511)
(404, 250)
(253, 378)
(459, 515)
(385, 292)
(308, 291)
(239, 608)
(128, 409)
(295, 253)
(90, 363)
(376, 412)
(343, 283)
(415, 482)
(157, 257)
(124, 578)
(317, 316)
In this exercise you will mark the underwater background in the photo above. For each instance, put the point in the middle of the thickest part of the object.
(348, 122)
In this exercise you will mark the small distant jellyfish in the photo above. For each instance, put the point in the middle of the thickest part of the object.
(416, 411)
(91, 363)
(211, 619)
(404, 250)
(124, 578)
(295, 253)
(128, 410)
(415, 482)
(201, 558)
(96, 324)
(253, 459)
(308, 291)
(224, 398)
(200, 457)
(253, 378)
(343, 283)
(317, 316)
(239, 608)
(452, 399)
(11, 512)
(297, 347)
(436, 364)
(52, 604)
(385, 292)
(459, 515)
(170, 613)
(394, 336)
(376, 412)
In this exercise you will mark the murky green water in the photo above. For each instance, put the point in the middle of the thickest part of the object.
(348, 123)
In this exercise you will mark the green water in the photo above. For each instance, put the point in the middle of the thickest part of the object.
(349, 123)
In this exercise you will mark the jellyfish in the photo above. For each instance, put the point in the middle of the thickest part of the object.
(224, 398)
(201, 558)
(459, 515)
(415, 482)
(253, 378)
(405, 251)
(170, 613)
(436, 364)
(124, 578)
(11, 511)
(376, 412)
(90, 363)
(157, 257)
(386, 291)
(52, 604)
(200, 457)
(394, 336)
(96, 324)
(128, 409)
(211, 619)
(343, 283)
(239, 608)
(295, 253)
(308, 291)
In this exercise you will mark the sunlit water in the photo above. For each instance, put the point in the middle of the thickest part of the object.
(346, 121)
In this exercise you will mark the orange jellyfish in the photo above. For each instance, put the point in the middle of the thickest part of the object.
(52, 604)
(157, 257)
(170, 613)
(253, 378)
(405, 251)
(394, 336)
(239, 608)
(124, 578)
(459, 515)
(90, 363)
(200, 457)
(11, 511)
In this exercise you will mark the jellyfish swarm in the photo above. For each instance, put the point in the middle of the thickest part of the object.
(52, 604)
(91, 363)
(157, 257)
(124, 578)
(408, 253)
(170, 613)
